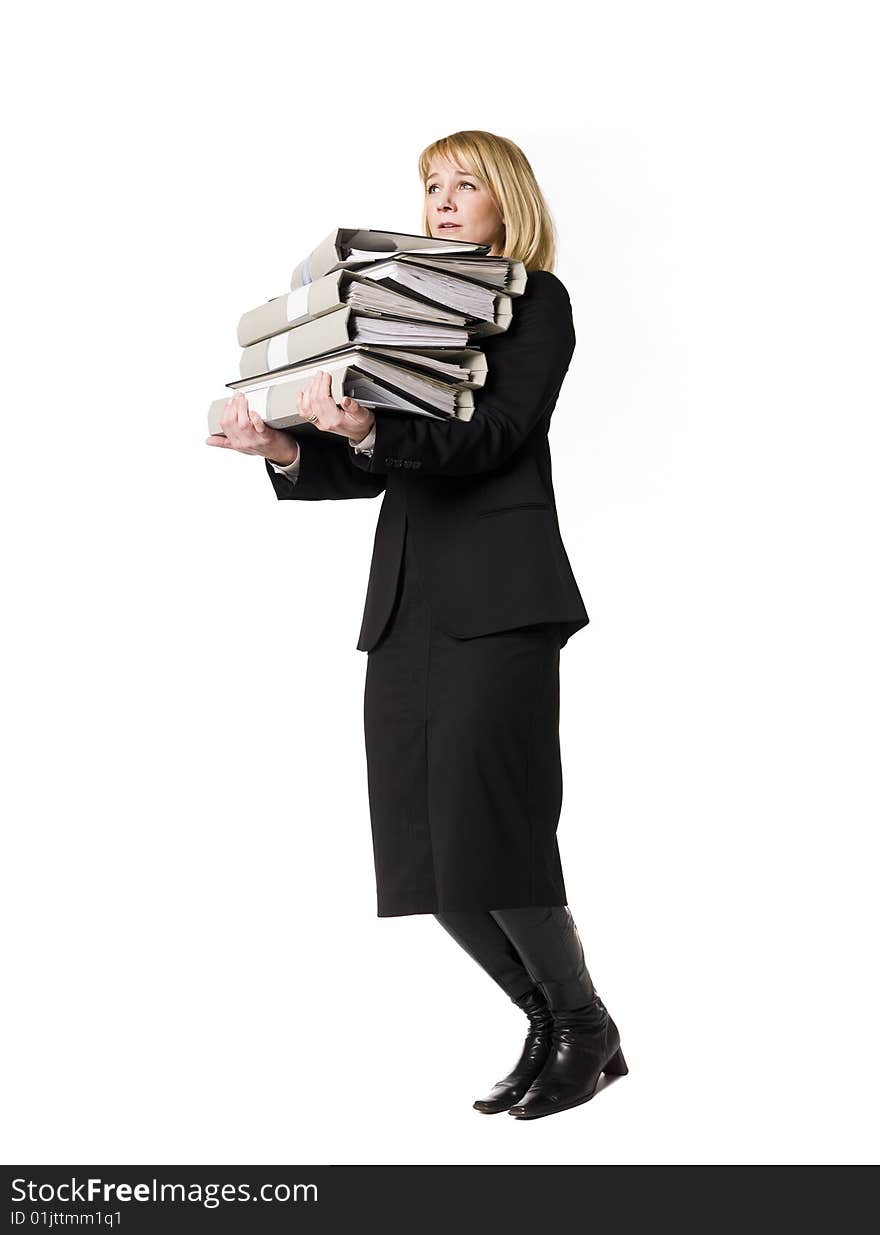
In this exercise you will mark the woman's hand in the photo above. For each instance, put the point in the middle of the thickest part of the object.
(348, 419)
(247, 432)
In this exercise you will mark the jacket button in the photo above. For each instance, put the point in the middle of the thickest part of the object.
(389, 461)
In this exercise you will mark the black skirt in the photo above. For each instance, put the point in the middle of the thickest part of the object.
(463, 762)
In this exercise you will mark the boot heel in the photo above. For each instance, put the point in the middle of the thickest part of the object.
(616, 1065)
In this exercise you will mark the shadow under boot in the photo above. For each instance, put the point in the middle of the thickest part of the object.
(585, 1043)
(538, 1043)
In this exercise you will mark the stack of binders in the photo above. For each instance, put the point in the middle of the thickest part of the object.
(396, 320)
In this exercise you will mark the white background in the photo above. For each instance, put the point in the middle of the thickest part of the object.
(197, 973)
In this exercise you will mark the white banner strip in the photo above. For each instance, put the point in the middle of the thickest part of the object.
(277, 355)
(297, 303)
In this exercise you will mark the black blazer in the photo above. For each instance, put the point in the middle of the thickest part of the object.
(477, 495)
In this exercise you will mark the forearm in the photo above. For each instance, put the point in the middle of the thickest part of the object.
(323, 470)
(287, 453)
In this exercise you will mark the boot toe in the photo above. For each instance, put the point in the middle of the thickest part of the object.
(489, 1108)
(534, 1107)
(502, 1097)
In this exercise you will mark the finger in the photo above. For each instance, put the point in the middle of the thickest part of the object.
(230, 416)
(327, 393)
(257, 420)
(231, 422)
(325, 401)
(316, 402)
(241, 410)
(217, 440)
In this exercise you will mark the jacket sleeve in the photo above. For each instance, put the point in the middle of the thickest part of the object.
(292, 469)
(326, 471)
(526, 367)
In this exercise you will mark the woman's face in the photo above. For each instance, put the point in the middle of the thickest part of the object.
(456, 197)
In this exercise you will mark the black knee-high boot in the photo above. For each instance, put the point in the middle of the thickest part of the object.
(586, 1041)
(484, 940)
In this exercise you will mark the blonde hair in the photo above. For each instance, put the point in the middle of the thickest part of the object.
(529, 233)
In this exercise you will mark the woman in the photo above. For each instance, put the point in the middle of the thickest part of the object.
(470, 599)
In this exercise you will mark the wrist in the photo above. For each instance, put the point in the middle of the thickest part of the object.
(287, 453)
(356, 441)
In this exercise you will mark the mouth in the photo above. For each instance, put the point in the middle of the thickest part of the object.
(445, 226)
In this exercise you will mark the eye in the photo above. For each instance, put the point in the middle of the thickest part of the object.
(467, 182)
